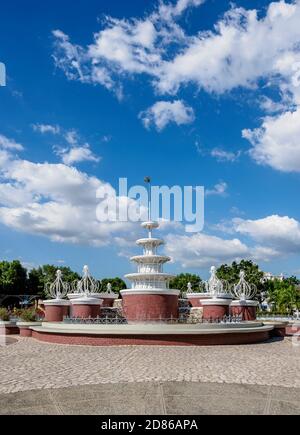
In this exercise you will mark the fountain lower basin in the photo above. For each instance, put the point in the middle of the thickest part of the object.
(154, 334)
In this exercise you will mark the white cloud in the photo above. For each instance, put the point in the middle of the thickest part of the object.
(277, 142)
(78, 154)
(220, 189)
(224, 156)
(279, 232)
(46, 128)
(241, 49)
(164, 112)
(123, 46)
(76, 151)
(58, 202)
(72, 137)
(9, 144)
(202, 250)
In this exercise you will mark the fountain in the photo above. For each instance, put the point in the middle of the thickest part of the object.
(86, 298)
(88, 285)
(57, 307)
(244, 292)
(154, 306)
(150, 298)
(216, 307)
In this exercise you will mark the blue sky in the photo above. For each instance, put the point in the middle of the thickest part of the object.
(190, 92)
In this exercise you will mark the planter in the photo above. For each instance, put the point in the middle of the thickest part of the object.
(195, 299)
(86, 307)
(25, 328)
(245, 309)
(56, 310)
(215, 309)
(8, 328)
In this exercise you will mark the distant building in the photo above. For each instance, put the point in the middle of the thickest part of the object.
(268, 276)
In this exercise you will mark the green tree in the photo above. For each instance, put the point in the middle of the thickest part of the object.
(284, 295)
(13, 278)
(39, 277)
(232, 273)
(180, 282)
(117, 284)
(253, 274)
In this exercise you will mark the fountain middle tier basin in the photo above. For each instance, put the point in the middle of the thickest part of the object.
(153, 334)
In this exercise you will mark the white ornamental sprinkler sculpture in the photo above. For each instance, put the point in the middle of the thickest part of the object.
(214, 286)
(243, 290)
(57, 290)
(87, 285)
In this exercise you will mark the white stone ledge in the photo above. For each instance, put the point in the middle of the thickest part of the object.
(244, 304)
(142, 329)
(86, 301)
(57, 302)
(213, 302)
(152, 291)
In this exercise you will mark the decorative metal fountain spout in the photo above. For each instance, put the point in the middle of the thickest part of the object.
(87, 285)
(243, 290)
(215, 286)
(58, 289)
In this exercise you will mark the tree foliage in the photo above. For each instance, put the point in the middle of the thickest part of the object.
(180, 282)
(13, 278)
(117, 284)
(232, 273)
(283, 295)
(38, 278)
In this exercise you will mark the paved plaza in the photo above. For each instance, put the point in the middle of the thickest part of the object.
(53, 379)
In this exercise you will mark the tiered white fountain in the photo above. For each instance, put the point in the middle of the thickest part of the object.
(150, 298)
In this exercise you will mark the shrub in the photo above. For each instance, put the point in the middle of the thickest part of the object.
(28, 315)
(4, 315)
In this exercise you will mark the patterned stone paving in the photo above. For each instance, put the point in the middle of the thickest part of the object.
(27, 364)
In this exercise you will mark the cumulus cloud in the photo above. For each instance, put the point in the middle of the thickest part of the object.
(279, 232)
(9, 144)
(220, 189)
(243, 48)
(164, 112)
(75, 151)
(123, 46)
(58, 202)
(277, 142)
(202, 250)
(78, 154)
(224, 156)
(46, 128)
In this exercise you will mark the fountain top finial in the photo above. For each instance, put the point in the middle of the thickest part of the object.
(58, 273)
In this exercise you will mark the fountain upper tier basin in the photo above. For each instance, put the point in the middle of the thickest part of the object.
(150, 241)
(149, 276)
(155, 259)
